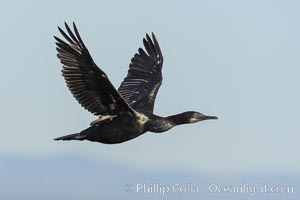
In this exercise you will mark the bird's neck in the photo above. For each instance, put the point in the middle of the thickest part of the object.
(177, 119)
(159, 124)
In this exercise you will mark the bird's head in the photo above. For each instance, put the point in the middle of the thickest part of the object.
(192, 116)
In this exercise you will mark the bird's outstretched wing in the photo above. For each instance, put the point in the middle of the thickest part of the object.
(144, 76)
(88, 83)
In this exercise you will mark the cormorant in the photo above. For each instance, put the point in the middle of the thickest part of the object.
(125, 113)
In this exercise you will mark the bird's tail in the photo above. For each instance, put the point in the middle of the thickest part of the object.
(75, 136)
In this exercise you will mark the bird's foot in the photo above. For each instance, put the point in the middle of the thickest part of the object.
(102, 119)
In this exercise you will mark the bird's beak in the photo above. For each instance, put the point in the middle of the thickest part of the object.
(201, 118)
(205, 117)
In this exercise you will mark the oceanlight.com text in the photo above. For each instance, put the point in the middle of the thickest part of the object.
(214, 188)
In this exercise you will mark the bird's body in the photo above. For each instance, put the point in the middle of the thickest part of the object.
(119, 130)
(125, 113)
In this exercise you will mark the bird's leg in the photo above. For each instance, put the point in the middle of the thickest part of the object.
(102, 119)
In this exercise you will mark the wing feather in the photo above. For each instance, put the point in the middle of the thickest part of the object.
(87, 82)
(144, 76)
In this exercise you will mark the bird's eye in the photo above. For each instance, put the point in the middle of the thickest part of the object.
(196, 115)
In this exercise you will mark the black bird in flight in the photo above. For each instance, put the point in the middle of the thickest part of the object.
(125, 113)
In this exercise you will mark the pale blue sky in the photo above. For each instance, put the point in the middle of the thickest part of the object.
(235, 59)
